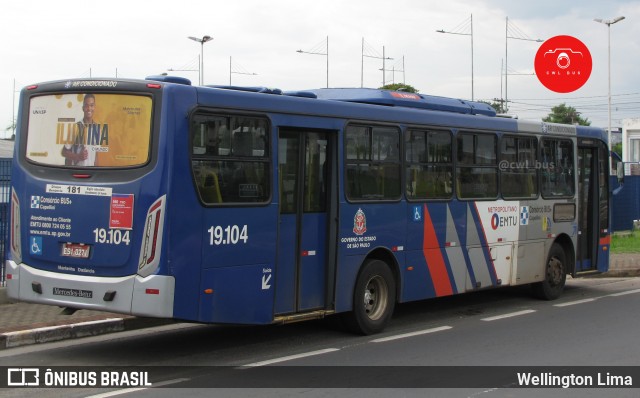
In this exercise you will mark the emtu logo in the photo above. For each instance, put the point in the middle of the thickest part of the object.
(35, 202)
(495, 221)
(563, 64)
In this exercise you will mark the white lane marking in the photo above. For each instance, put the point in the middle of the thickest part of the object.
(568, 303)
(624, 293)
(128, 390)
(412, 334)
(509, 315)
(290, 357)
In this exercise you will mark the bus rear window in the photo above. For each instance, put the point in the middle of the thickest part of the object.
(89, 130)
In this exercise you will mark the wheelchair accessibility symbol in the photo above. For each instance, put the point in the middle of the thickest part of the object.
(417, 213)
(35, 246)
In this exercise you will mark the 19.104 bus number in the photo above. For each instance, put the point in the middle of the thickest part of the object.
(229, 235)
(111, 236)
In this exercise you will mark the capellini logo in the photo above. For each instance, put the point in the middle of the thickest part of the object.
(563, 64)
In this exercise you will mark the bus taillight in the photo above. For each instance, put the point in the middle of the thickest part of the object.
(152, 240)
(14, 234)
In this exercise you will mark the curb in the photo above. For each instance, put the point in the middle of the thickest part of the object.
(4, 299)
(77, 330)
(618, 273)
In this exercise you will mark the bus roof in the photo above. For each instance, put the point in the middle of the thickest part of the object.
(405, 99)
(427, 102)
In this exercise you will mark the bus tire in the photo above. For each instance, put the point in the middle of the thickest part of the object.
(374, 298)
(555, 275)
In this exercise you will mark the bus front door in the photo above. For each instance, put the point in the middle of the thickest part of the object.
(305, 184)
(593, 206)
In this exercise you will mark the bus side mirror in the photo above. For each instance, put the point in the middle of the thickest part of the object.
(620, 173)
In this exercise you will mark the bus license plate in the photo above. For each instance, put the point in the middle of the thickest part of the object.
(75, 250)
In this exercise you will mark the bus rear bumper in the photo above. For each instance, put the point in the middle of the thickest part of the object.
(151, 296)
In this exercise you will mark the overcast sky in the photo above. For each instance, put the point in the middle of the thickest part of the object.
(44, 40)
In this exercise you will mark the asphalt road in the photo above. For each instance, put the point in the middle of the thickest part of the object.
(594, 324)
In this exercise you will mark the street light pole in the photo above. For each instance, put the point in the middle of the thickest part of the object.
(13, 110)
(465, 34)
(518, 35)
(326, 53)
(609, 22)
(203, 40)
(383, 58)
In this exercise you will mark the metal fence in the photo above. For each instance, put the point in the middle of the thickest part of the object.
(625, 205)
(5, 195)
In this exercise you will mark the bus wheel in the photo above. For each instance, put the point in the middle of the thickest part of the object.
(555, 275)
(373, 299)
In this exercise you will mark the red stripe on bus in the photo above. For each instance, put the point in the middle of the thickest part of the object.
(435, 261)
(155, 206)
(155, 238)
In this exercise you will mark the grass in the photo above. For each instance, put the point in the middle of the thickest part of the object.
(626, 242)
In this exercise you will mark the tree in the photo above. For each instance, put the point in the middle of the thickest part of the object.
(497, 104)
(617, 148)
(399, 87)
(12, 128)
(566, 115)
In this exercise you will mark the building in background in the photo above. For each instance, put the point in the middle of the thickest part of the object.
(631, 140)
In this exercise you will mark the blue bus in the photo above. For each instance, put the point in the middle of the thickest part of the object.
(251, 205)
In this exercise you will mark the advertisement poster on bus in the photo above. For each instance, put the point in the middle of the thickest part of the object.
(89, 130)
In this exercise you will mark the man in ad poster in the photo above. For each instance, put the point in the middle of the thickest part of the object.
(80, 154)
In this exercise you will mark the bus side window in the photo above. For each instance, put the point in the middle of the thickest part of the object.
(477, 171)
(429, 167)
(373, 163)
(230, 159)
(518, 167)
(557, 167)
